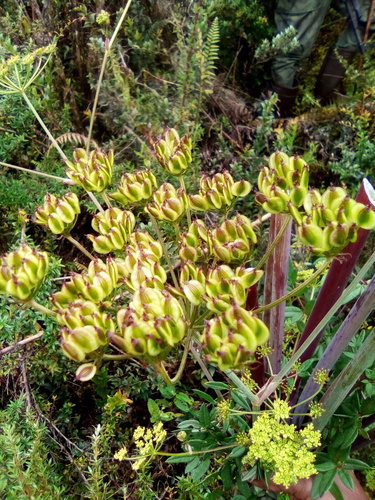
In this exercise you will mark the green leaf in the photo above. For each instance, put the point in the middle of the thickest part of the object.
(322, 483)
(354, 464)
(189, 423)
(218, 386)
(251, 474)
(336, 492)
(226, 476)
(154, 409)
(238, 451)
(204, 396)
(204, 416)
(324, 466)
(293, 313)
(181, 460)
(193, 464)
(201, 470)
(346, 478)
(240, 400)
(182, 406)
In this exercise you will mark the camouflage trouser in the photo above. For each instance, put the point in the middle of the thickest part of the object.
(307, 16)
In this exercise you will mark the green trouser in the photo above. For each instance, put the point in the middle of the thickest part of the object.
(307, 16)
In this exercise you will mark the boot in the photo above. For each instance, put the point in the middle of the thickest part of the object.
(331, 74)
(287, 99)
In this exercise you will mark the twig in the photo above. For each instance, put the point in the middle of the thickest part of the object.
(204, 368)
(21, 343)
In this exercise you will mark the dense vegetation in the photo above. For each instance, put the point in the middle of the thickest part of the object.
(203, 182)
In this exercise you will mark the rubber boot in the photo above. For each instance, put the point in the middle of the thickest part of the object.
(287, 99)
(332, 73)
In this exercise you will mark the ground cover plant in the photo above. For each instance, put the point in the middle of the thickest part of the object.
(252, 350)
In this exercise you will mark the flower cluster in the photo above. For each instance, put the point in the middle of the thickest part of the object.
(59, 214)
(326, 222)
(22, 272)
(147, 442)
(135, 187)
(173, 153)
(217, 192)
(114, 227)
(230, 340)
(230, 242)
(92, 171)
(282, 449)
(169, 204)
(152, 324)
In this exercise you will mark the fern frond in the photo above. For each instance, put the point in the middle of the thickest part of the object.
(211, 50)
(73, 137)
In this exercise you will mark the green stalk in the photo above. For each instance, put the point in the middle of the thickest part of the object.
(115, 357)
(65, 180)
(165, 251)
(33, 303)
(106, 199)
(274, 243)
(253, 398)
(79, 246)
(270, 387)
(163, 372)
(341, 387)
(188, 216)
(183, 454)
(44, 127)
(296, 290)
(108, 46)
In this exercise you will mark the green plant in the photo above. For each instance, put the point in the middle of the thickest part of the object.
(162, 297)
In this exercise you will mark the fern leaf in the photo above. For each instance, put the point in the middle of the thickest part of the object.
(211, 51)
(72, 137)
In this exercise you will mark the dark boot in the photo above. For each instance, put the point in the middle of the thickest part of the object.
(287, 99)
(332, 73)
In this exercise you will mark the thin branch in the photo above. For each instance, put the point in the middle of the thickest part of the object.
(21, 343)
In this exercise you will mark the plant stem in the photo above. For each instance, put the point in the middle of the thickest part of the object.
(95, 201)
(296, 290)
(272, 384)
(185, 453)
(108, 46)
(115, 357)
(271, 247)
(65, 180)
(44, 127)
(188, 216)
(253, 398)
(204, 369)
(33, 303)
(106, 199)
(79, 246)
(163, 372)
(165, 251)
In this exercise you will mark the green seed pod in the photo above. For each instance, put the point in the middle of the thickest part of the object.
(312, 198)
(86, 372)
(194, 291)
(72, 351)
(331, 194)
(310, 235)
(55, 224)
(241, 188)
(363, 216)
(297, 194)
(84, 338)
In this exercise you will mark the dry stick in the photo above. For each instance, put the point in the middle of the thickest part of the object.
(204, 368)
(65, 180)
(108, 46)
(21, 343)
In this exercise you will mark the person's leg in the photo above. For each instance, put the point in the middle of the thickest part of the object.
(306, 16)
(334, 67)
